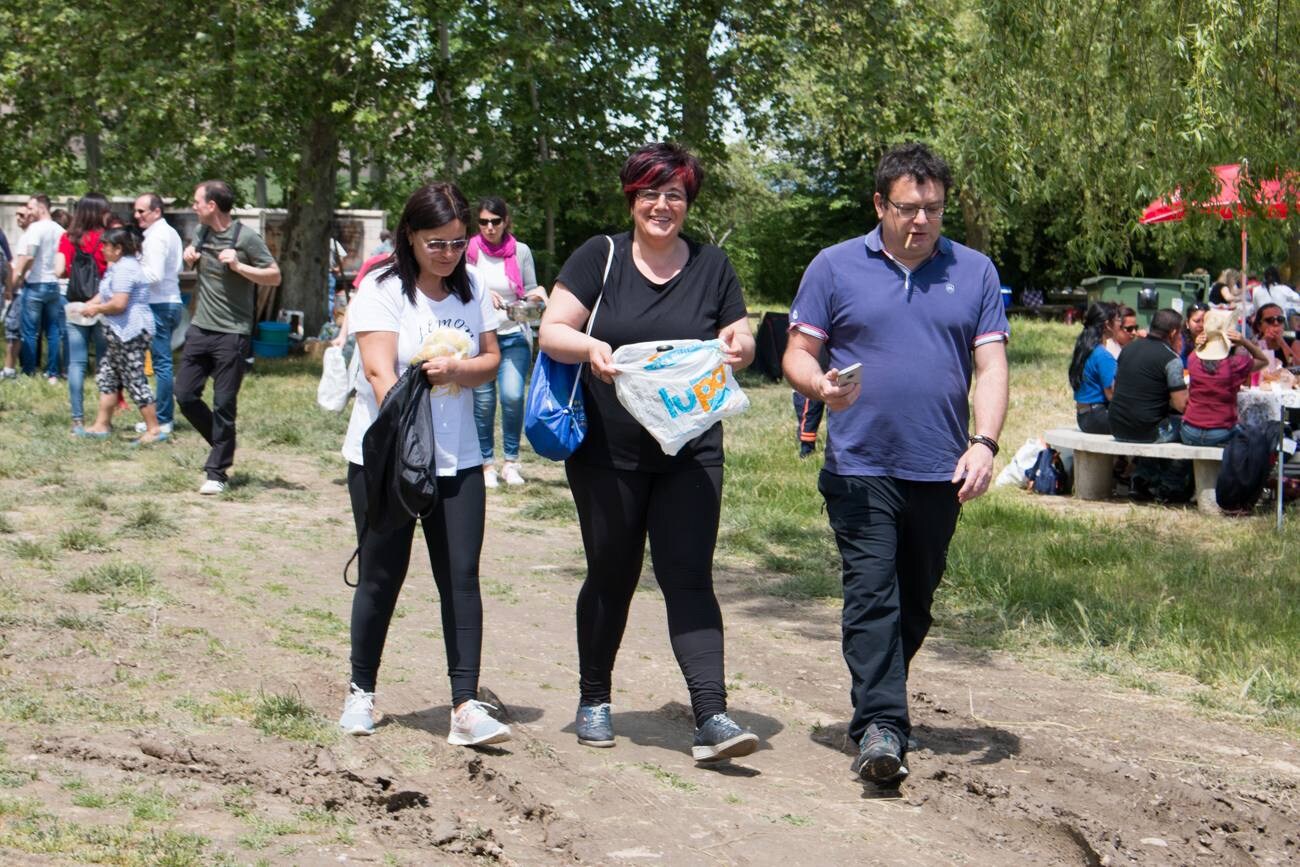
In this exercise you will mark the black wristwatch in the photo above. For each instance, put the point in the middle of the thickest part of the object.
(984, 441)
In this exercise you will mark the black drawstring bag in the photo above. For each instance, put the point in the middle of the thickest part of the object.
(398, 459)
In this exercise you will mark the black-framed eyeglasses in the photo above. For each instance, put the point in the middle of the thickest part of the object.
(1273, 320)
(672, 197)
(909, 212)
(491, 221)
(445, 247)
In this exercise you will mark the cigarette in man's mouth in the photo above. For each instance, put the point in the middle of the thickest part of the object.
(907, 241)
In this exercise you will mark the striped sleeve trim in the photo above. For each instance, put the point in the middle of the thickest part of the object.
(992, 337)
(810, 330)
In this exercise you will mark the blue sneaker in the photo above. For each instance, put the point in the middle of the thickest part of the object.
(594, 726)
(880, 758)
(721, 738)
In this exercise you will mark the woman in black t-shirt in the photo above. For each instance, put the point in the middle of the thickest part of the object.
(661, 286)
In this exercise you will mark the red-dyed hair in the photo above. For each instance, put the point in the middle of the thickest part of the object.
(660, 163)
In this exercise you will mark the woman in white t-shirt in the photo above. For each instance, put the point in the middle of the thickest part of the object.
(424, 289)
(504, 267)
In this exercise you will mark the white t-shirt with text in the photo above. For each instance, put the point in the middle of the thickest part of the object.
(379, 305)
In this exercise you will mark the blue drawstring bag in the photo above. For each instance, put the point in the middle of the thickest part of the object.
(555, 420)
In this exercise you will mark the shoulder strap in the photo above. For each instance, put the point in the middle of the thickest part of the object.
(609, 260)
(239, 227)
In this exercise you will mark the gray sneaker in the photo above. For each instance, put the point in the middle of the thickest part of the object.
(880, 758)
(721, 738)
(594, 726)
(473, 726)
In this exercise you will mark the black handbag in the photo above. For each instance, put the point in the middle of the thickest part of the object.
(398, 456)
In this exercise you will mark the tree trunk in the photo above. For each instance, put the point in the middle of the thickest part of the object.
(972, 215)
(699, 79)
(1293, 257)
(304, 260)
(543, 160)
(442, 84)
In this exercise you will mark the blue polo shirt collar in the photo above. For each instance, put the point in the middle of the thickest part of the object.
(876, 245)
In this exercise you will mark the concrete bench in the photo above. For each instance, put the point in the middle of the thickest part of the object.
(1094, 460)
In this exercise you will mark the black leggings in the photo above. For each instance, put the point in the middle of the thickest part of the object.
(679, 511)
(454, 536)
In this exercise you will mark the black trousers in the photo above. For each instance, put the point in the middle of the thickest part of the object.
(617, 510)
(809, 414)
(454, 536)
(221, 356)
(893, 537)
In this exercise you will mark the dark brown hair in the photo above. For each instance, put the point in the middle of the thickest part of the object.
(429, 207)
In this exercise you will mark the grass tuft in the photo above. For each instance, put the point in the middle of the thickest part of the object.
(82, 539)
(149, 522)
(113, 576)
(288, 716)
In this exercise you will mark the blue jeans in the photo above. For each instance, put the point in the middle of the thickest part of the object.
(516, 357)
(1197, 436)
(166, 319)
(42, 311)
(79, 340)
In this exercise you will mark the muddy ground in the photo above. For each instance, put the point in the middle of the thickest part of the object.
(1019, 761)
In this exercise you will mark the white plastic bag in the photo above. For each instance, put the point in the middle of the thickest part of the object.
(335, 382)
(677, 389)
(1023, 461)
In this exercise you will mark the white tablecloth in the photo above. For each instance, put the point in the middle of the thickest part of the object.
(1257, 405)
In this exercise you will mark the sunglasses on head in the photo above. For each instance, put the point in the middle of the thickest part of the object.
(492, 221)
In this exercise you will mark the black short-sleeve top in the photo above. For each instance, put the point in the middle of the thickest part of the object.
(702, 299)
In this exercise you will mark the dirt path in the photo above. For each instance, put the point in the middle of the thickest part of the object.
(147, 696)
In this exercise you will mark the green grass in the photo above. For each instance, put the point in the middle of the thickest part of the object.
(288, 716)
(113, 576)
(82, 539)
(149, 521)
(1124, 593)
(668, 778)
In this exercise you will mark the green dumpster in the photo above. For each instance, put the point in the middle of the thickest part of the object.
(1146, 295)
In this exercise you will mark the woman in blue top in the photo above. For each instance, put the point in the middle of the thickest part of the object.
(1092, 369)
(123, 301)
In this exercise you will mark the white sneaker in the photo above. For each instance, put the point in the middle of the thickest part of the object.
(141, 427)
(358, 712)
(472, 726)
(489, 477)
(212, 486)
(510, 472)
(8, 373)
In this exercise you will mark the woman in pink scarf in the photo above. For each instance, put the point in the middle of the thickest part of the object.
(504, 266)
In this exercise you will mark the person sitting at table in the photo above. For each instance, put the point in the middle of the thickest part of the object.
(1193, 328)
(1227, 289)
(1268, 324)
(1092, 368)
(1147, 404)
(1125, 330)
(1216, 372)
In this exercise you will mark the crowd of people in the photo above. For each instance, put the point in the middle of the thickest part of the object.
(1178, 380)
(893, 483)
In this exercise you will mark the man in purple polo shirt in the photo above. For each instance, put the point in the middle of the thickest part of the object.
(920, 314)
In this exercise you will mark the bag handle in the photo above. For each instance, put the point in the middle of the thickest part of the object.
(591, 320)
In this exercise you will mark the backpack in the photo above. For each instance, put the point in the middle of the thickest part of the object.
(1048, 475)
(83, 276)
(1246, 460)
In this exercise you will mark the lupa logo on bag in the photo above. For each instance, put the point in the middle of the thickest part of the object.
(708, 392)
